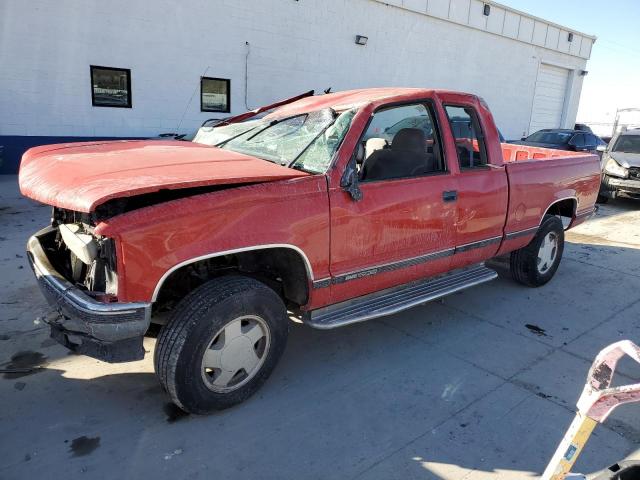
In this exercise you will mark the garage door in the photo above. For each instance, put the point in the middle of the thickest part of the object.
(548, 100)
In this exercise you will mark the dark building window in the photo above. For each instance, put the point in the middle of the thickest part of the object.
(110, 87)
(215, 95)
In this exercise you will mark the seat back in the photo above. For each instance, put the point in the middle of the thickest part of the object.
(406, 157)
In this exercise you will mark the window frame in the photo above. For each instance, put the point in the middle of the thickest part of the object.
(429, 104)
(228, 83)
(114, 69)
(484, 157)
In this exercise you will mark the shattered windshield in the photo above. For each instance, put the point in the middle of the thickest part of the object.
(317, 157)
(216, 135)
(306, 141)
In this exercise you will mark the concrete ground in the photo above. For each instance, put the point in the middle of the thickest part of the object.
(461, 389)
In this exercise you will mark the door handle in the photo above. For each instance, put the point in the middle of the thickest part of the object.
(450, 195)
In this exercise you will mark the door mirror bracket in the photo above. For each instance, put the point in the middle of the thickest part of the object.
(349, 180)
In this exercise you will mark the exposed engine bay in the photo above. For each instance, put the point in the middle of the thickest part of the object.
(86, 260)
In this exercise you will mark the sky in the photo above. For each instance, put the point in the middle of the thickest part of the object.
(613, 80)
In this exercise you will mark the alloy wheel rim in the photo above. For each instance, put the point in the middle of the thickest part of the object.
(547, 252)
(235, 353)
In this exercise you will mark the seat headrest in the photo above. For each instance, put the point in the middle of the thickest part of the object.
(412, 139)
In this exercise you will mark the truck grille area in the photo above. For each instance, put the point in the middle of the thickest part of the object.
(96, 274)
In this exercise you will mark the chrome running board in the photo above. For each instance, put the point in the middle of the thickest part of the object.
(397, 299)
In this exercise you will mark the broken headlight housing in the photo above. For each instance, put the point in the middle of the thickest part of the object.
(613, 168)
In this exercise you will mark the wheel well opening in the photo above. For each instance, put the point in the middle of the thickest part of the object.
(282, 269)
(565, 209)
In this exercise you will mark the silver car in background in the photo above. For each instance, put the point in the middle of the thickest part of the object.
(621, 166)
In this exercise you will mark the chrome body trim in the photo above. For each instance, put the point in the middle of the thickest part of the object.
(397, 299)
(571, 197)
(478, 244)
(230, 252)
(521, 233)
(388, 267)
(529, 231)
(409, 262)
(322, 283)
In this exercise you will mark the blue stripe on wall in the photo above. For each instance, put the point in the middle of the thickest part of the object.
(13, 146)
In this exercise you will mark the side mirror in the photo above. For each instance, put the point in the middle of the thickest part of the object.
(360, 154)
(349, 180)
(601, 148)
(523, 139)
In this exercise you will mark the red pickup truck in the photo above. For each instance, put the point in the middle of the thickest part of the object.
(330, 209)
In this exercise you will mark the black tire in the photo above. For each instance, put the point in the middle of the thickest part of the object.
(182, 342)
(523, 263)
(607, 192)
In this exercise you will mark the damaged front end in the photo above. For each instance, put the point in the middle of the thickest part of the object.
(77, 273)
(89, 261)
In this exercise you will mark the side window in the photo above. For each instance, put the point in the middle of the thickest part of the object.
(470, 147)
(577, 140)
(401, 142)
(591, 141)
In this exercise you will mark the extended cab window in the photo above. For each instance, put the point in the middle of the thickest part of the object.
(470, 146)
(401, 142)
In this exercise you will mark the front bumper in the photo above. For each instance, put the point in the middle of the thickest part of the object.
(626, 185)
(112, 332)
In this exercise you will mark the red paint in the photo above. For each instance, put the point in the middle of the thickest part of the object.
(394, 221)
(81, 176)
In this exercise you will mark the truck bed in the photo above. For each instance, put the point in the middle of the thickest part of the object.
(519, 153)
(565, 175)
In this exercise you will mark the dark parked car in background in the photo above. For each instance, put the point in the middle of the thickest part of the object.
(582, 127)
(564, 139)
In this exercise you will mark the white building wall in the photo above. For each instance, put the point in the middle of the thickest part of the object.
(46, 49)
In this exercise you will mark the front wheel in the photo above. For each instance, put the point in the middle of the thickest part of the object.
(221, 344)
(535, 264)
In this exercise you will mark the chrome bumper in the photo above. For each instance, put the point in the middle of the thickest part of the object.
(622, 185)
(112, 332)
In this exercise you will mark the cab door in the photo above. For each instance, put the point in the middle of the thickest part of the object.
(482, 187)
(402, 227)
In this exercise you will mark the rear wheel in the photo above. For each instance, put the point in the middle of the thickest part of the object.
(221, 344)
(536, 264)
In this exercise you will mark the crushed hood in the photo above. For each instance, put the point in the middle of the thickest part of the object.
(626, 159)
(81, 176)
